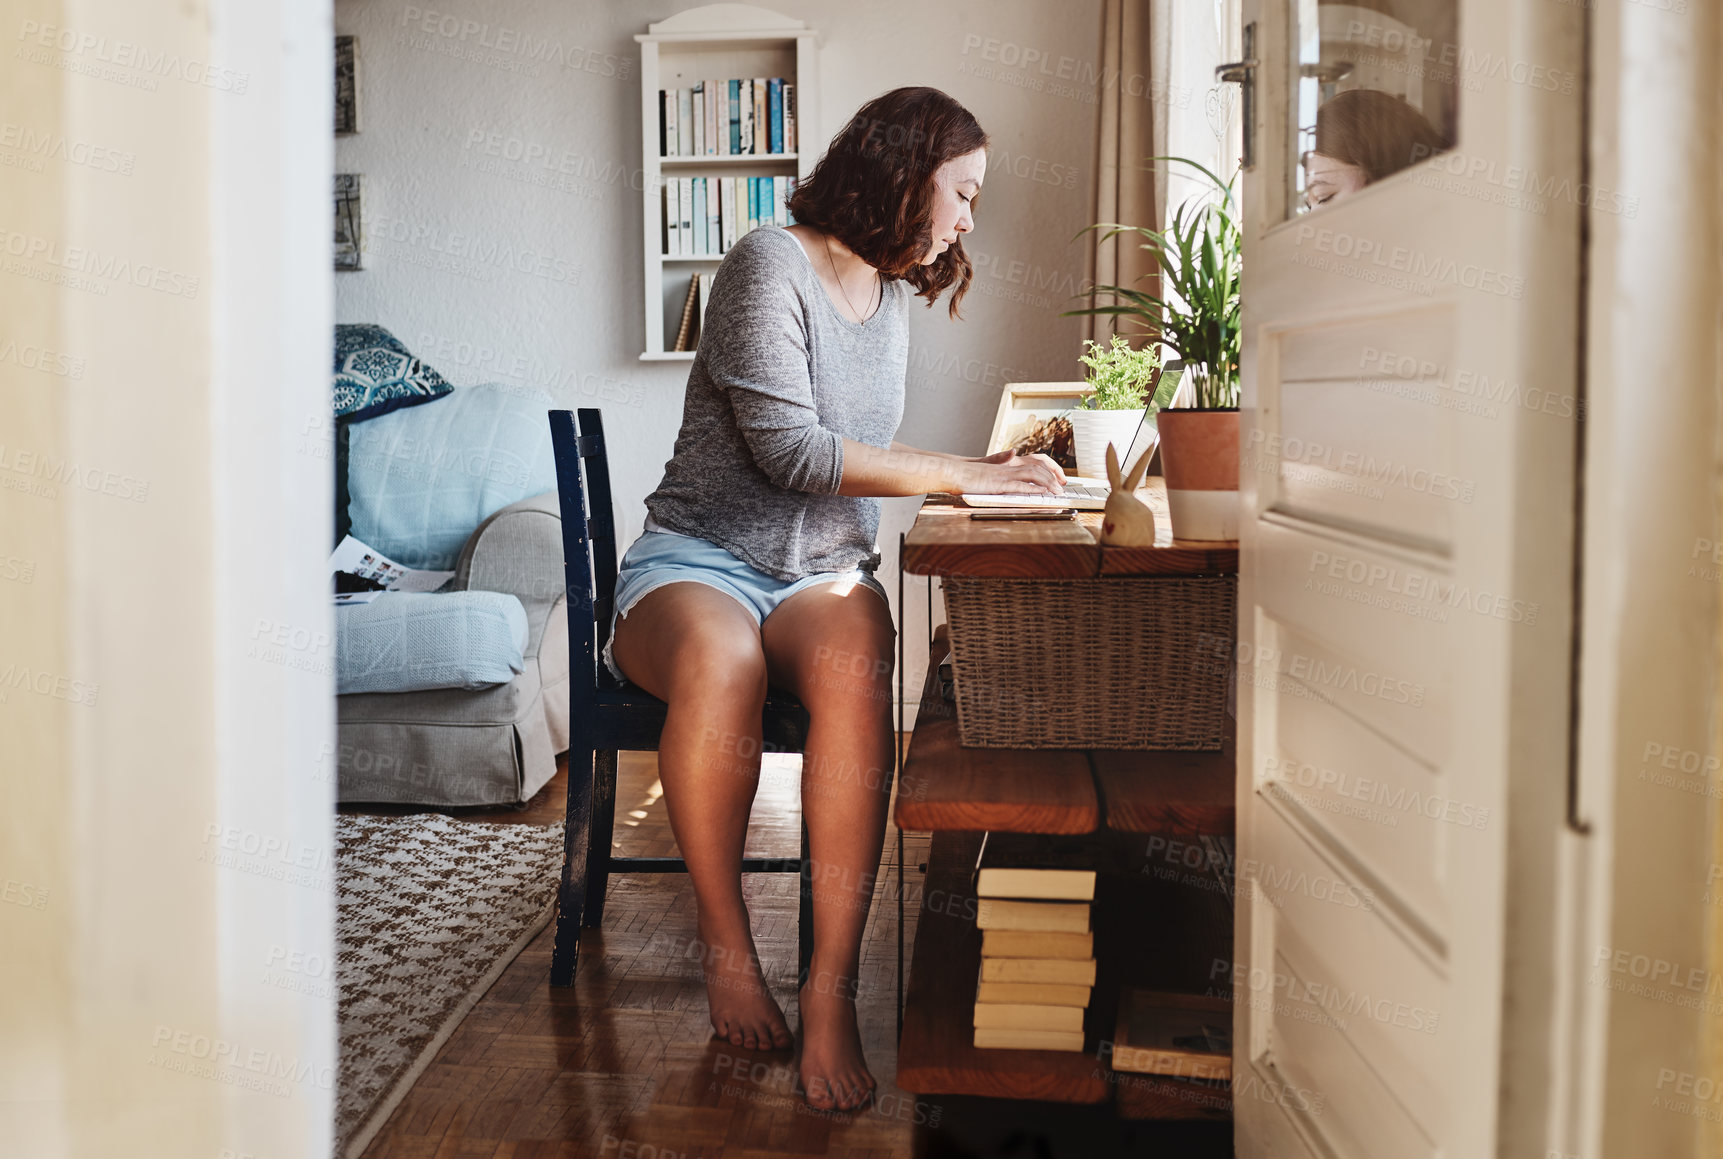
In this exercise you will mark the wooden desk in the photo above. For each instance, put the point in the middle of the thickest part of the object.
(945, 541)
(956, 791)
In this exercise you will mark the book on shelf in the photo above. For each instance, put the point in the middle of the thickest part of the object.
(685, 214)
(1061, 971)
(1032, 993)
(727, 211)
(993, 913)
(714, 142)
(699, 109)
(1003, 1038)
(666, 122)
(698, 214)
(1183, 1035)
(1014, 1016)
(789, 117)
(685, 329)
(669, 216)
(762, 126)
(714, 239)
(684, 123)
(705, 281)
(735, 87)
(745, 116)
(775, 114)
(1061, 944)
(673, 207)
(1023, 865)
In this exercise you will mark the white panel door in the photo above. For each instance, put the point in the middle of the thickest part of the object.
(1409, 422)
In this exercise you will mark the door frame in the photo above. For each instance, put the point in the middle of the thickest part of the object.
(1635, 862)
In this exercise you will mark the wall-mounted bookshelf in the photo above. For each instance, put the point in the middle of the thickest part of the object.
(718, 42)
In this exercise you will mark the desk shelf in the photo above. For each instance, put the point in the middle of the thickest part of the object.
(1058, 791)
(1176, 793)
(946, 786)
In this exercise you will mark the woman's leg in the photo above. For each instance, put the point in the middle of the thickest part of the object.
(698, 649)
(832, 646)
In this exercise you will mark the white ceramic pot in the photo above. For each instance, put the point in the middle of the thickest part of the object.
(1092, 430)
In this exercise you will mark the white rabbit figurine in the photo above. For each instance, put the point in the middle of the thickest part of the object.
(1127, 520)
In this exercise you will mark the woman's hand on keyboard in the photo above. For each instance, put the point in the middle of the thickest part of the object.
(1008, 473)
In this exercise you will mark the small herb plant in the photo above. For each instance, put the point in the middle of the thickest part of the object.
(1121, 376)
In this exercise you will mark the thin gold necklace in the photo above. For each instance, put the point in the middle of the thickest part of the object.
(860, 317)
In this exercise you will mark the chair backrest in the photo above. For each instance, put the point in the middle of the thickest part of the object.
(588, 546)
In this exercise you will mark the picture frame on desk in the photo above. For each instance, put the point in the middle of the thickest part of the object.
(1023, 404)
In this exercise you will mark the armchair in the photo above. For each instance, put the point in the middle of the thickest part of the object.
(437, 723)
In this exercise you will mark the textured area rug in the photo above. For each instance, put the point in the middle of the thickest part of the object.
(429, 912)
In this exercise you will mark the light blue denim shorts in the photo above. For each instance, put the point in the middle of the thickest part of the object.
(664, 557)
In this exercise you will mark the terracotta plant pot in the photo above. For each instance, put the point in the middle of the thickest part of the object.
(1092, 430)
(1199, 456)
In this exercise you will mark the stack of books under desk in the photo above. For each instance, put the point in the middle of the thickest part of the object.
(1037, 949)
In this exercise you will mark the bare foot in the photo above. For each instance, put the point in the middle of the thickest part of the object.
(743, 1010)
(834, 1073)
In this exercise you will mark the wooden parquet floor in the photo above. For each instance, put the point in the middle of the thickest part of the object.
(623, 1065)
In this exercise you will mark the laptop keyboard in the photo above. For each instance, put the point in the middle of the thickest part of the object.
(1090, 494)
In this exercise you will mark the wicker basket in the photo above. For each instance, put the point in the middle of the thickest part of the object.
(1109, 663)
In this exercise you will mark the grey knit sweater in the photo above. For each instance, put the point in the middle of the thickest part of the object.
(779, 380)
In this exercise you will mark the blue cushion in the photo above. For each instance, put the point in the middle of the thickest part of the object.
(412, 641)
(423, 479)
(375, 374)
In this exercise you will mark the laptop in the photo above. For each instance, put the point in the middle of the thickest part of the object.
(1081, 493)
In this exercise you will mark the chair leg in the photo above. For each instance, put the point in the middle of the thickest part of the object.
(603, 834)
(571, 891)
(805, 916)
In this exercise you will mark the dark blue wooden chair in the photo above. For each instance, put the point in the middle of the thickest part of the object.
(606, 715)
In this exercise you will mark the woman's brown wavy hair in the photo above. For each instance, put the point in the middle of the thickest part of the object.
(1379, 133)
(873, 189)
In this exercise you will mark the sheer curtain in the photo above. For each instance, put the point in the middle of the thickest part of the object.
(1131, 121)
(1158, 96)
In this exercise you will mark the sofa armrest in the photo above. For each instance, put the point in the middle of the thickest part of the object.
(518, 550)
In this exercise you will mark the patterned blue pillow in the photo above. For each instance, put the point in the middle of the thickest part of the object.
(375, 374)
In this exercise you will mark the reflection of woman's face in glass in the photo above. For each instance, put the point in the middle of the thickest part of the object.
(1326, 178)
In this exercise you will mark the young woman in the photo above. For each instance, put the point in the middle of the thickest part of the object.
(756, 564)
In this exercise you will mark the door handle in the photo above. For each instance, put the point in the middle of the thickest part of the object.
(1243, 74)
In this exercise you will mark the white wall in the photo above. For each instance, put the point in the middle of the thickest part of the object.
(429, 97)
(165, 765)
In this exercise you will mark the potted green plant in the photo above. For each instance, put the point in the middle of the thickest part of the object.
(1196, 316)
(1121, 380)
